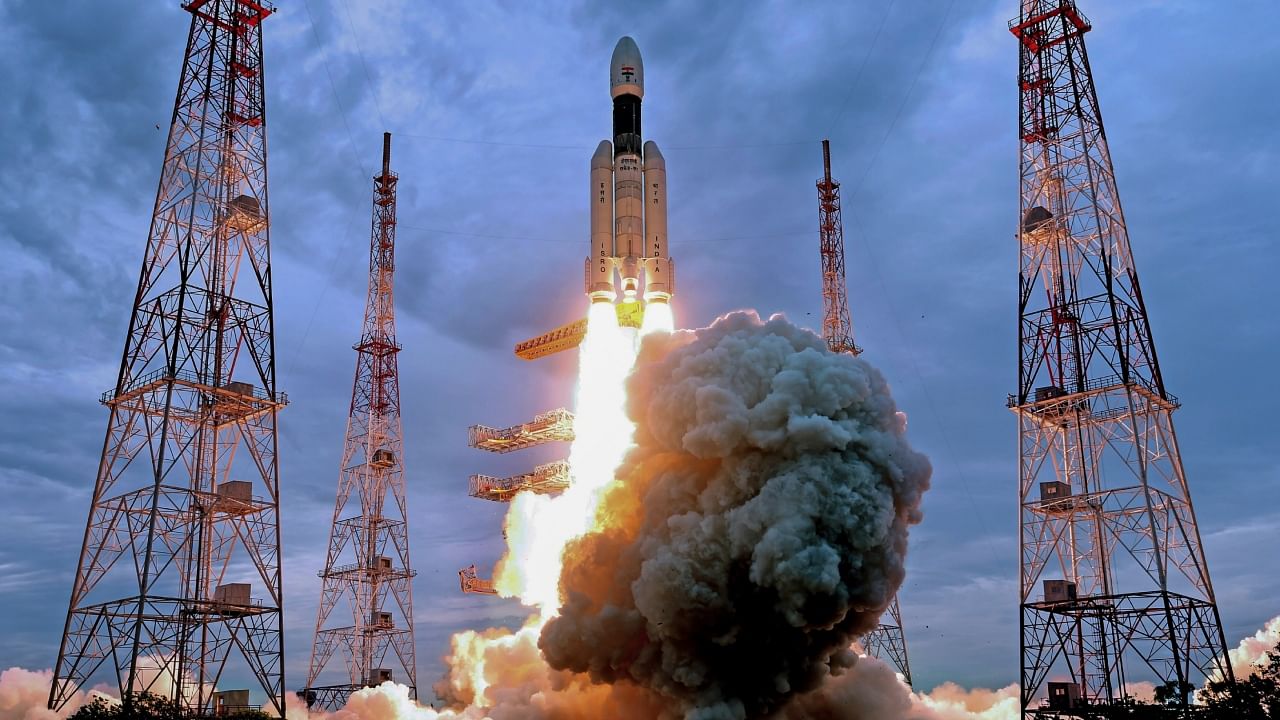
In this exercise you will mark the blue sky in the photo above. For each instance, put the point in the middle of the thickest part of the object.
(496, 108)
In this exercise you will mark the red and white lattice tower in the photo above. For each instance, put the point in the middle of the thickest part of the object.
(1114, 584)
(837, 327)
(368, 560)
(887, 641)
(177, 592)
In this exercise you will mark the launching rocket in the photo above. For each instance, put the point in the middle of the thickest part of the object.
(628, 198)
(628, 217)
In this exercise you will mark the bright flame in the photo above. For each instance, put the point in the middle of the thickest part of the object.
(538, 527)
(657, 318)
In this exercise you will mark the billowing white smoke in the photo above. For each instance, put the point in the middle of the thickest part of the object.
(868, 691)
(871, 691)
(1251, 653)
(24, 694)
(952, 702)
(759, 527)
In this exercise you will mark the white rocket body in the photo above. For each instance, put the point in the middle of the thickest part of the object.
(628, 197)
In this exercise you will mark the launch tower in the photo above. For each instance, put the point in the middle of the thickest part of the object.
(1114, 584)
(177, 590)
(368, 558)
(887, 641)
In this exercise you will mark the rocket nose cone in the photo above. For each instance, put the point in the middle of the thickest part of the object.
(653, 156)
(626, 47)
(603, 158)
(626, 69)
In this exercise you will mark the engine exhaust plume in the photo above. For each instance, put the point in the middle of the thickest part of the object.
(538, 526)
(759, 524)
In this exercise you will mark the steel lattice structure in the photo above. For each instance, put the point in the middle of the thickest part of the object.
(837, 327)
(546, 479)
(887, 641)
(184, 529)
(368, 558)
(1107, 528)
(550, 426)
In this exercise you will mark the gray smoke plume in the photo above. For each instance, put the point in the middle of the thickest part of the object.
(759, 528)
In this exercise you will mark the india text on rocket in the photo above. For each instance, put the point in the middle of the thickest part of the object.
(629, 197)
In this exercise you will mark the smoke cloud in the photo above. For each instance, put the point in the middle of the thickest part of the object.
(759, 524)
(1251, 653)
(24, 694)
(872, 691)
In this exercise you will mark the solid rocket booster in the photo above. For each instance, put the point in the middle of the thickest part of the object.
(658, 283)
(629, 196)
(600, 262)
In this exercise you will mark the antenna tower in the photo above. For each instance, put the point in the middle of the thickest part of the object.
(887, 641)
(1114, 584)
(177, 591)
(837, 328)
(368, 559)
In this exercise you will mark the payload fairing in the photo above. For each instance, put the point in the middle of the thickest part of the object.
(629, 197)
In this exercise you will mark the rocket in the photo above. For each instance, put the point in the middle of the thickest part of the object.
(628, 198)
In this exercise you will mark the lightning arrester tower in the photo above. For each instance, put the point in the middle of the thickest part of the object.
(368, 558)
(887, 641)
(1114, 584)
(177, 590)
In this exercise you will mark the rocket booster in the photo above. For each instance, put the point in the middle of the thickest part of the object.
(628, 197)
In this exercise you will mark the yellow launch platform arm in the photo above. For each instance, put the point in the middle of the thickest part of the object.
(551, 426)
(544, 479)
(570, 335)
(473, 583)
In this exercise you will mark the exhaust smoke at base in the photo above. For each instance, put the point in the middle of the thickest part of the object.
(759, 524)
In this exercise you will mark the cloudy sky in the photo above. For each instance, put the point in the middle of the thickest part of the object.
(495, 108)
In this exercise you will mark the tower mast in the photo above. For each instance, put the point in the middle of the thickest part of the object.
(887, 641)
(177, 590)
(837, 327)
(368, 558)
(1114, 583)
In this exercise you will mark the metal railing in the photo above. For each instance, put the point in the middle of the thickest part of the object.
(546, 478)
(550, 426)
(362, 567)
(1109, 381)
(186, 377)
